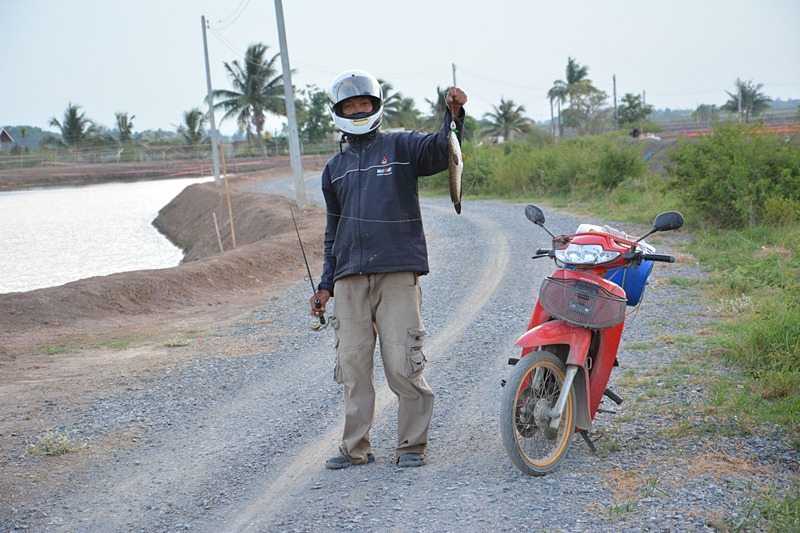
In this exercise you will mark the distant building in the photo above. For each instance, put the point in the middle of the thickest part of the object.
(5, 137)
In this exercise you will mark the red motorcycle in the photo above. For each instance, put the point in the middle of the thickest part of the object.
(570, 348)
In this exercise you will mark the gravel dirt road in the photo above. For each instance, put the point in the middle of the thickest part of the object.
(230, 431)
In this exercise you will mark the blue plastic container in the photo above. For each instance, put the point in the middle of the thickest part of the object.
(632, 280)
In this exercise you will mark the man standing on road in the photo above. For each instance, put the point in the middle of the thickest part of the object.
(375, 251)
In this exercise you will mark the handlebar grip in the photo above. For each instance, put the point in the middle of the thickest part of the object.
(659, 257)
(543, 251)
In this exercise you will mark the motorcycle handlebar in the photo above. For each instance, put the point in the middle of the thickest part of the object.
(630, 256)
(659, 257)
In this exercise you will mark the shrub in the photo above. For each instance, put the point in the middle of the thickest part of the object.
(729, 178)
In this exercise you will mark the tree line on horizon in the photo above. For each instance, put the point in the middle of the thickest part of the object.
(577, 107)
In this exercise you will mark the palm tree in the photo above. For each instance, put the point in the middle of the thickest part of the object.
(398, 111)
(257, 90)
(507, 119)
(391, 101)
(408, 116)
(75, 127)
(576, 72)
(437, 107)
(558, 93)
(125, 127)
(747, 100)
(564, 90)
(193, 127)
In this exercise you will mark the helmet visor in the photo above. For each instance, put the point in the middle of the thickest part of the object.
(355, 86)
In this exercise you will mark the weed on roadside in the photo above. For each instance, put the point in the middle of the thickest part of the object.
(54, 443)
(77, 344)
(767, 510)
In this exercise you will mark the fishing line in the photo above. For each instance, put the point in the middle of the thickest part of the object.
(376, 220)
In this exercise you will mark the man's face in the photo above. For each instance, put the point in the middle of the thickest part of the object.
(356, 104)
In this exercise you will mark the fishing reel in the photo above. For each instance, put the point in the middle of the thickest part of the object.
(317, 322)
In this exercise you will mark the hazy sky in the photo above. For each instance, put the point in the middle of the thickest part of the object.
(145, 57)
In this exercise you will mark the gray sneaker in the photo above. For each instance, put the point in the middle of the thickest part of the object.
(411, 459)
(342, 461)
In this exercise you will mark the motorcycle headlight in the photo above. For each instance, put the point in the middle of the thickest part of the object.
(585, 254)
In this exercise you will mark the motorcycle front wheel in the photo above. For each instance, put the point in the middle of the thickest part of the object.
(530, 393)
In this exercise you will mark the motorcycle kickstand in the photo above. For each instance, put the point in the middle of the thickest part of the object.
(585, 435)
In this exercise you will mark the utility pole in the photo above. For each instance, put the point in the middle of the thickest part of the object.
(214, 134)
(294, 137)
(616, 114)
(740, 100)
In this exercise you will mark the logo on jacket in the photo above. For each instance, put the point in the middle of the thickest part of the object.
(384, 171)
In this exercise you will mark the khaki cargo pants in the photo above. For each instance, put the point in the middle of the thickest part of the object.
(387, 307)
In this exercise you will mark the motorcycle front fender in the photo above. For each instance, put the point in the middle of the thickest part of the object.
(578, 340)
(559, 332)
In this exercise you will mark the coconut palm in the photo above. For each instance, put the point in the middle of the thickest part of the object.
(398, 111)
(506, 119)
(747, 100)
(408, 116)
(564, 90)
(125, 127)
(75, 127)
(576, 72)
(558, 93)
(193, 127)
(257, 90)
(437, 108)
(391, 101)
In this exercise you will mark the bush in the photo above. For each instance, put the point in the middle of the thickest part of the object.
(738, 176)
(537, 166)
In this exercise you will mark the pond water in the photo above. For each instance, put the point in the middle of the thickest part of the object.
(52, 236)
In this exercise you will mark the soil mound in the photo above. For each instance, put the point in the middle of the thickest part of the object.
(267, 255)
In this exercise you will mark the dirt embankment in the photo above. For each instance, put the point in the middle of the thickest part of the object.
(66, 174)
(209, 285)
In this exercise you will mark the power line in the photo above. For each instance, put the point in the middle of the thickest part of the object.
(240, 8)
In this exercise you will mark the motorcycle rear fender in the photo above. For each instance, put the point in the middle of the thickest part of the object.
(559, 332)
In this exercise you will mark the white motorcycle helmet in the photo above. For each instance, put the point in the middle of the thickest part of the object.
(352, 83)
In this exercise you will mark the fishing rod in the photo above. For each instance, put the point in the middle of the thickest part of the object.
(316, 322)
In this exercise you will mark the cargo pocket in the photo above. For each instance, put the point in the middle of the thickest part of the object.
(415, 356)
(337, 371)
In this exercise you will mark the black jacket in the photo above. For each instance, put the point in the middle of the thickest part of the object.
(374, 222)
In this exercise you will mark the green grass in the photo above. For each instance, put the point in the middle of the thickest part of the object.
(769, 510)
(75, 345)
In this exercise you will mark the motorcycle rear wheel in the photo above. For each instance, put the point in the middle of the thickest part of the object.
(530, 391)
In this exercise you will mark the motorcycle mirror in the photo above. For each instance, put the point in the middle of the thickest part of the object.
(665, 222)
(534, 214)
(668, 221)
